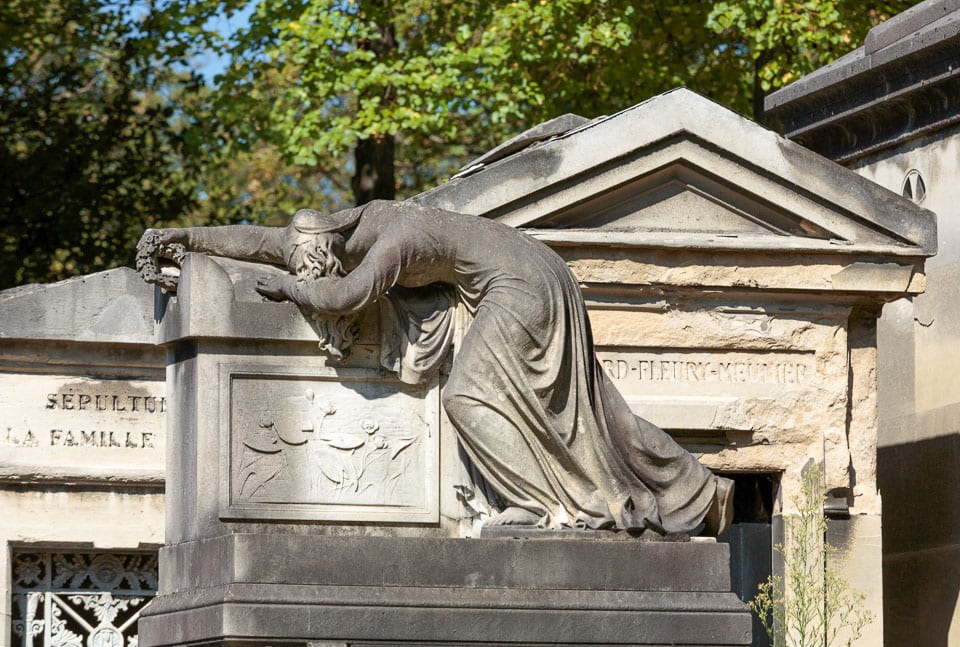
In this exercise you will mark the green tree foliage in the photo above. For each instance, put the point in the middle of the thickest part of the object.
(93, 146)
(327, 102)
(435, 81)
(401, 81)
(767, 44)
(259, 186)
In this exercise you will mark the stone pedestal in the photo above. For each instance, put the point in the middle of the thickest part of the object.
(316, 502)
(297, 590)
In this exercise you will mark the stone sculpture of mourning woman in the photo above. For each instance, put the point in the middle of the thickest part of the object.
(533, 409)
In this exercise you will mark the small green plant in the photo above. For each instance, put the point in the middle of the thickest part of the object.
(811, 605)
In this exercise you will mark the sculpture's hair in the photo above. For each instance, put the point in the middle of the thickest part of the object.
(318, 258)
(319, 253)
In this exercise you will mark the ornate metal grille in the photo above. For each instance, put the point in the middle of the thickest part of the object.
(80, 599)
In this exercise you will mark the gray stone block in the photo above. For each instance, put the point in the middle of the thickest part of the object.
(113, 306)
(269, 589)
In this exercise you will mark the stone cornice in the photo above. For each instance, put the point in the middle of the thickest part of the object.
(903, 84)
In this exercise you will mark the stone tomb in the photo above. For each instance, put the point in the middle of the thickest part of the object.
(82, 425)
(733, 280)
(81, 391)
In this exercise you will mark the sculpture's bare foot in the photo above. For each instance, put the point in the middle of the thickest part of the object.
(514, 516)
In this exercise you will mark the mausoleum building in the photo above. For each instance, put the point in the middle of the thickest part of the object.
(82, 444)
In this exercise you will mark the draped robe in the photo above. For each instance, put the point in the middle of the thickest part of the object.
(531, 404)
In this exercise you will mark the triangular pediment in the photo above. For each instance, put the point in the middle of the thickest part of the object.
(679, 170)
(681, 198)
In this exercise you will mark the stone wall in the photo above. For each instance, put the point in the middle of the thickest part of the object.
(919, 398)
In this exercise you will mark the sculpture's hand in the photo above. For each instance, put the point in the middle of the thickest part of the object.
(276, 286)
(162, 237)
(170, 236)
(160, 253)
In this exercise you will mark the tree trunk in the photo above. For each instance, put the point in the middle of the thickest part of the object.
(758, 97)
(374, 178)
(759, 94)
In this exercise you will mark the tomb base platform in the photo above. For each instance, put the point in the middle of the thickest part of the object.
(261, 589)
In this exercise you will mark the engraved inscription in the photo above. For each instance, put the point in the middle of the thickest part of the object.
(40, 411)
(698, 370)
(82, 401)
(329, 446)
(637, 371)
(125, 439)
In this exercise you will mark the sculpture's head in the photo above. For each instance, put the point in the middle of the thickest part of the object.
(312, 256)
(312, 247)
(313, 242)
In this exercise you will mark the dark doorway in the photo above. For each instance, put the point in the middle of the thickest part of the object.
(750, 538)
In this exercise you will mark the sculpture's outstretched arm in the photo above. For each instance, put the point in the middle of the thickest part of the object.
(247, 242)
(377, 273)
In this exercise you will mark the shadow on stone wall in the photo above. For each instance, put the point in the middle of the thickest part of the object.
(920, 485)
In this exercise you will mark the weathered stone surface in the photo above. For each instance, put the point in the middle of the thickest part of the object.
(111, 306)
(73, 426)
(339, 446)
(81, 384)
(438, 562)
(859, 548)
(688, 176)
(749, 384)
(889, 110)
(552, 128)
(252, 437)
(786, 270)
(228, 306)
(547, 619)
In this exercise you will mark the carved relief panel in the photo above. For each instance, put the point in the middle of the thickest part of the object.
(345, 445)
